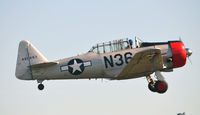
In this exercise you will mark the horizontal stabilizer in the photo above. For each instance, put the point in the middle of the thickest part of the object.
(42, 65)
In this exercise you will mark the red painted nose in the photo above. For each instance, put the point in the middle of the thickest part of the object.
(179, 54)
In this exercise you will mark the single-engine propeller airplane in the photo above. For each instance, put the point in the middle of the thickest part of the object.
(114, 60)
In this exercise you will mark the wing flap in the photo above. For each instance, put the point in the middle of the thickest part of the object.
(143, 62)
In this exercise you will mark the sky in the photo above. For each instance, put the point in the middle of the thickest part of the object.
(63, 28)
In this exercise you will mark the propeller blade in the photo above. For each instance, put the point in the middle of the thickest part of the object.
(180, 39)
(190, 60)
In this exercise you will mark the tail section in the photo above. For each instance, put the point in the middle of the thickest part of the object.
(28, 55)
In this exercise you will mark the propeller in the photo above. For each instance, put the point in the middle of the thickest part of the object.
(188, 51)
(189, 60)
(180, 39)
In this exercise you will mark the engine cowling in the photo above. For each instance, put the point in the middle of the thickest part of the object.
(179, 54)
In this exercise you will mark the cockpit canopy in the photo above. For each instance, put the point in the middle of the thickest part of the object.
(112, 46)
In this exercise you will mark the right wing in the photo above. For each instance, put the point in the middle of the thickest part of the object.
(143, 62)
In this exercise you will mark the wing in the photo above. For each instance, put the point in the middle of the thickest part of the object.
(143, 63)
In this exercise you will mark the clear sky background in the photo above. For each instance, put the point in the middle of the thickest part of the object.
(62, 28)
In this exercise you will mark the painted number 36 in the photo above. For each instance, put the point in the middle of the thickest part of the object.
(121, 59)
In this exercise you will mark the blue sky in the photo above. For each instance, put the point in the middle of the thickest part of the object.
(63, 28)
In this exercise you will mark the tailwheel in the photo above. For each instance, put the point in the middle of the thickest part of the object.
(40, 86)
(161, 86)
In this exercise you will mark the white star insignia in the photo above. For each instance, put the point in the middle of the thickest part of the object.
(76, 66)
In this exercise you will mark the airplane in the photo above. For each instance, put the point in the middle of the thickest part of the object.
(181, 113)
(113, 60)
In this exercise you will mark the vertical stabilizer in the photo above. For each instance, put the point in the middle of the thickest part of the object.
(27, 55)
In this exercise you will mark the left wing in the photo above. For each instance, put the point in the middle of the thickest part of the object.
(143, 63)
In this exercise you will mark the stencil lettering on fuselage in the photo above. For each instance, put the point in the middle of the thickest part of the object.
(121, 59)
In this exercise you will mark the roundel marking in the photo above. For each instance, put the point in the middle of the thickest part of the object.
(76, 66)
